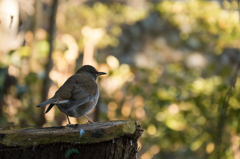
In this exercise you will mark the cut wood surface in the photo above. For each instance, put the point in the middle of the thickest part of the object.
(114, 139)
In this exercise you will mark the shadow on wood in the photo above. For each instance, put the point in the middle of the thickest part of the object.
(108, 140)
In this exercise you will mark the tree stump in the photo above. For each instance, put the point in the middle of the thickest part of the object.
(100, 140)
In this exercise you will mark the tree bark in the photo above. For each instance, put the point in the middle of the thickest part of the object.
(47, 80)
(109, 140)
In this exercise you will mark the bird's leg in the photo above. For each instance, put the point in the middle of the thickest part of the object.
(68, 120)
(89, 121)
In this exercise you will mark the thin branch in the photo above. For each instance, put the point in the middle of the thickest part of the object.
(49, 66)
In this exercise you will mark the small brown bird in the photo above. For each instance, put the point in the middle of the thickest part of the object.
(78, 95)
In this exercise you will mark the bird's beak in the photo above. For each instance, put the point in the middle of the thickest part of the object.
(100, 73)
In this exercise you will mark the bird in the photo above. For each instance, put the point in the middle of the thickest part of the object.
(78, 95)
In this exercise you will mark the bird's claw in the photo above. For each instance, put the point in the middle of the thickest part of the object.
(89, 122)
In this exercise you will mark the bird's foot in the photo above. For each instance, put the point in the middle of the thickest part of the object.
(89, 122)
(72, 125)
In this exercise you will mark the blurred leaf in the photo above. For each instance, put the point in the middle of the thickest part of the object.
(71, 151)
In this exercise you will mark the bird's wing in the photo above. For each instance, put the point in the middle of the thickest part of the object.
(82, 93)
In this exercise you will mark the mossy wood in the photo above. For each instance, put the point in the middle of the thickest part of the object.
(114, 139)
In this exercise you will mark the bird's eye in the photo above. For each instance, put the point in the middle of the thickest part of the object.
(92, 72)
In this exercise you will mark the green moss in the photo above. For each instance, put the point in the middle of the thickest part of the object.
(93, 133)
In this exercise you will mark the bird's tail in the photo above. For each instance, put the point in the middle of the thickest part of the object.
(49, 108)
(49, 101)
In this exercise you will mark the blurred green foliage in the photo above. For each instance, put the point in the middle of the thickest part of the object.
(108, 17)
(176, 103)
(208, 20)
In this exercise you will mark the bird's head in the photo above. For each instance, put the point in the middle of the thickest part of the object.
(91, 71)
